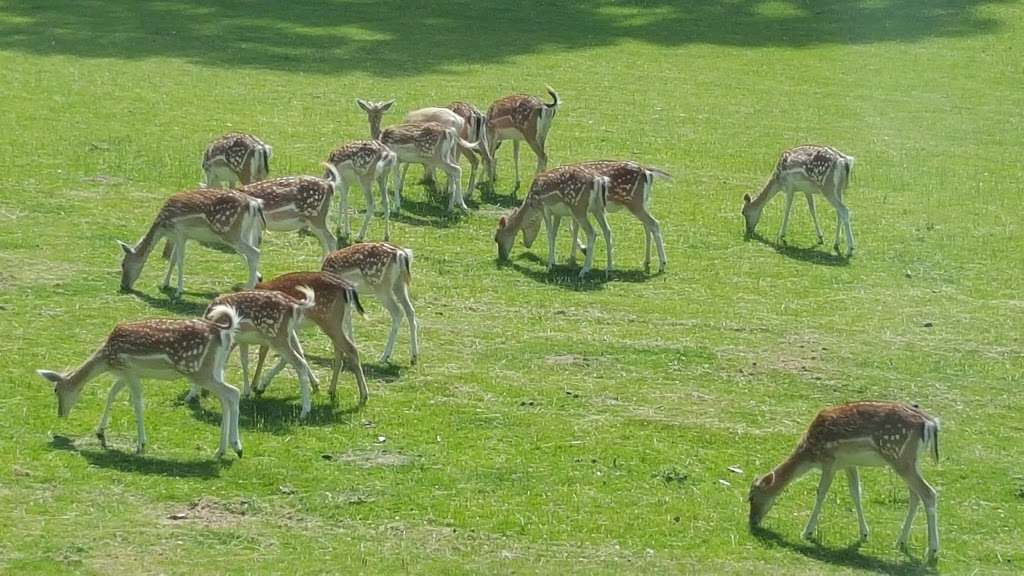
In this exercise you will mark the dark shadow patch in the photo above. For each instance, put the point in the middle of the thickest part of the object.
(817, 254)
(132, 463)
(567, 276)
(178, 306)
(849, 556)
(376, 372)
(278, 415)
(387, 38)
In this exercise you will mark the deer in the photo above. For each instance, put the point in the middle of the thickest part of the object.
(212, 215)
(236, 158)
(363, 161)
(519, 117)
(566, 191)
(813, 170)
(269, 319)
(195, 349)
(385, 269)
(859, 434)
(431, 144)
(629, 187)
(297, 203)
(467, 121)
(336, 298)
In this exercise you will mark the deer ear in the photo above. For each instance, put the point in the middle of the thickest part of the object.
(746, 198)
(385, 106)
(127, 249)
(53, 377)
(502, 222)
(362, 104)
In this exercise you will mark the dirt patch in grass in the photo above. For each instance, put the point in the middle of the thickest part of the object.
(373, 458)
(25, 271)
(565, 360)
(214, 513)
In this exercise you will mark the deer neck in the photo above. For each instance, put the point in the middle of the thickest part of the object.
(375, 128)
(790, 470)
(766, 194)
(146, 244)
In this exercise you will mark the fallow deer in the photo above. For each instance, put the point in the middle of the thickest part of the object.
(336, 298)
(467, 121)
(812, 170)
(236, 158)
(385, 269)
(519, 117)
(269, 318)
(564, 191)
(629, 187)
(297, 203)
(363, 161)
(211, 215)
(859, 434)
(164, 350)
(431, 144)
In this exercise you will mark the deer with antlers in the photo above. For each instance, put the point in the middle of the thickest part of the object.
(431, 144)
(385, 269)
(812, 170)
(211, 215)
(236, 158)
(519, 117)
(566, 191)
(336, 298)
(297, 203)
(629, 187)
(363, 161)
(269, 319)
(195, 349)
(859, 434)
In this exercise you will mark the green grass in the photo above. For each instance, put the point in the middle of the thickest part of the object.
(551, 425)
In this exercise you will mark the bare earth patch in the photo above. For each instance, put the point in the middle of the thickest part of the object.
(372, 458)
(214, 513)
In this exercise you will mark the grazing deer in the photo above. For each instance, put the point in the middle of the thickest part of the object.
(852, 435)
(269, 319)
(196, 349)
(519, 117)
(297, 203)
(629, 187)
(236, 158)
(335, 300)
(431, 144)
(813, 170)
(467, 121)
(564, 191)
(385, 269)
(214, 215)
(363, 161)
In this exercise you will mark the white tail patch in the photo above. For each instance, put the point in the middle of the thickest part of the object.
(930, 437)
(310, 300)
(333, 177)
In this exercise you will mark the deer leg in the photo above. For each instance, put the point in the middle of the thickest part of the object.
(344, 228)
(260, 360)
(827, 473)
(405, 170)
(842, 222)
(551, 226)
(853, 478)
(575, 245)
(913, 503)
(328, 243)
(388, 299)
(401, 292)
(101, 428)
(814, 217)
(926, 493)
(171, 259)
(386, 200)
(515, 158)
(274, 370)
(399, 183)
(243, 358)
(135, 390)
(370, 208)
(252, 260)
(193, 393)
(178, 253)
(293, 354)
(473, 164)
(542, 156)
(454, 172)
(785, 218)
(606, 231)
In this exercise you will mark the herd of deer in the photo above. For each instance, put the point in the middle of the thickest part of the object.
(269, 314)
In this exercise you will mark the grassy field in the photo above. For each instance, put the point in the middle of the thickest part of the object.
(551, 425)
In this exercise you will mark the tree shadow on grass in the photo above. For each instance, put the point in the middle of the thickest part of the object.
(133, 463)
(849, 556)
(390, 38)
(567, 276)
(814, 255)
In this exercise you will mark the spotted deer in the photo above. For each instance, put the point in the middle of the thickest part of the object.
(859, 434)
(194, 349)
(519, 117)
(236, 158)
(467, 121)
(297, 203)
(629, 187)
(336, 299)
(566, 191)
(812, 170)
(385, 269)
(269, 318)
(363, 161)
(210, 215)
(431, 144)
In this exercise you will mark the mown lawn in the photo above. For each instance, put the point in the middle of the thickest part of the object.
(551, 425)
